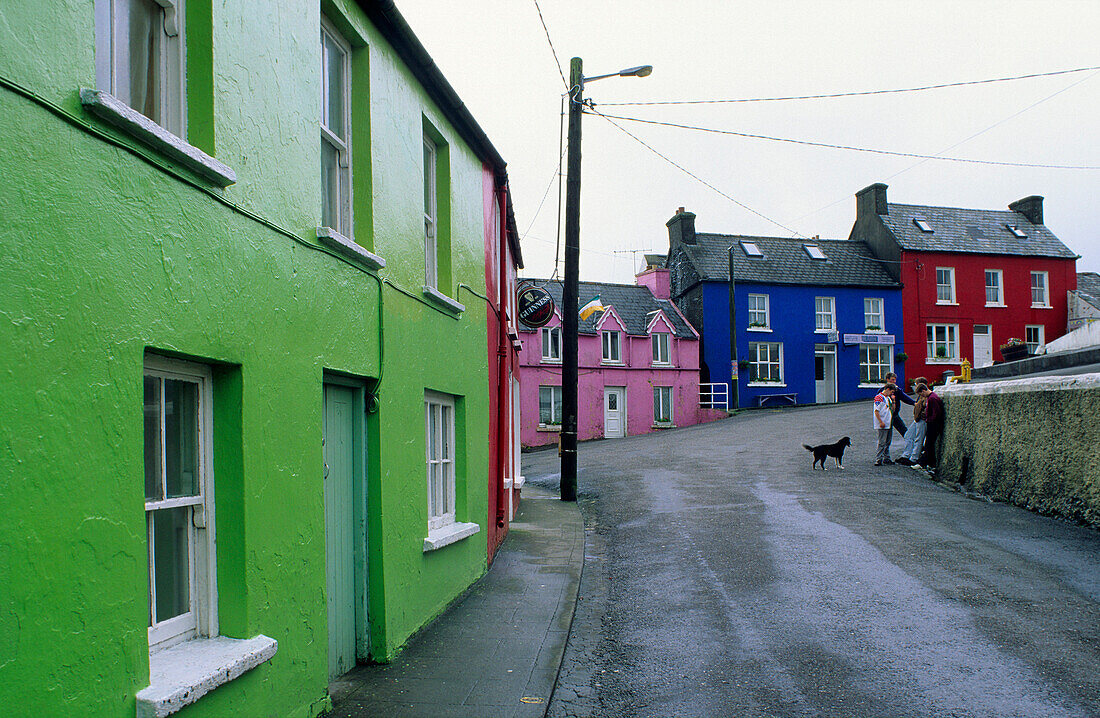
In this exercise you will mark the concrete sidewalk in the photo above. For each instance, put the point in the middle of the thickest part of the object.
(498, 650)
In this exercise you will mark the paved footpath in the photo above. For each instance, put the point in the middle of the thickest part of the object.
(497, 651)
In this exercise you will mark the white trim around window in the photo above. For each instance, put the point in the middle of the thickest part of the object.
(766, 364)
(439, 432)
(662, 406)
(1034, 337)
(336, 200)
(874, 320)
(1040, 290)
(431, 215)
(994, 288)
(551, 345)
(550, 407)
(875, 362)
(824, 315)
(660, 344)
(759, 313)
(945, 285)
(612, 347)
(942, 344)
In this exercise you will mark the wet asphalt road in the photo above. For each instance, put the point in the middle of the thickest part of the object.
(723, 577)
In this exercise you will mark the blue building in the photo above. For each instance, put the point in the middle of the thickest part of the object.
(811, 321)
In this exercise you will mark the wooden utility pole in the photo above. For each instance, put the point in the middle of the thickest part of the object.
(570, 290)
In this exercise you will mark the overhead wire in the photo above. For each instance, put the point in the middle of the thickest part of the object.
(857, 93)
(551, 43)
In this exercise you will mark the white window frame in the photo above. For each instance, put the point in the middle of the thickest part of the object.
(555, 401)
(612, 347)
(950, 286)
(756, 313)
(170, 62)
(202, 616)
(998, 285)
(883, 367)
(950, 341)
(1034, 337)
(1044, 301)
(663, 404)
(342, 222)
(772, 357)
(661, 346)
(874, 315)
(824, 313)
(551, 345)
(431, 214)
(439, 453)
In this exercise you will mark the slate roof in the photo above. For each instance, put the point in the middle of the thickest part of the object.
(1088, 287)
(847, 263)
(633, 304)
(973, 231)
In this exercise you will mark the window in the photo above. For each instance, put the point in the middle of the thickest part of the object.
(872, 315)
(431, 261)
(659, 340)
(335, 130)
(875, 362)
(943, 342)
(1039, 296)
(139, 58)
(922, 225)
(550, 405)
(814, 251)
(994, 288)
(945, 285)
(439, 429)
(824, 314)
(611, 347)
(179, 491)
(752, 250)
(1016, 231)
(662, 405)
(758, 311)
(765, 362)
(1034, 337)
(551, 344)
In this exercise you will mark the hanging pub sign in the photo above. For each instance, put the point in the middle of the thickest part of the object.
(536, 306)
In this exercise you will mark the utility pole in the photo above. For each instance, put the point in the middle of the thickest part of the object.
(570, 317)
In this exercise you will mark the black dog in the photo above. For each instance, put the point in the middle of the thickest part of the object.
(834, 450)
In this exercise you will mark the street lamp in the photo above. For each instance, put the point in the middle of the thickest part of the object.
(572, 268)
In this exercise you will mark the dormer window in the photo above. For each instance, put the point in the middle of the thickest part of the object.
(752, 250)
(1015, 229)
(814, 251)
(922, 225)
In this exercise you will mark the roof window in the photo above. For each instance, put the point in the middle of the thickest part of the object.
(1015, 229)
(814, 251)
(752, 250)
(922, 225)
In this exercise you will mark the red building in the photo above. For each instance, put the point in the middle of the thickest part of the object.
(972, 278)
(502, 259)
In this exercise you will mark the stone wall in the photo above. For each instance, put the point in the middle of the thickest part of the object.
(1032, 442)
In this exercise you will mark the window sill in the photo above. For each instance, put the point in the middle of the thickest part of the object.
(555, 428)
(518, 482)
(180, 675)
(442, 301)
(108, 107)
(941, 361)
(661, 365)
(1041, 306)
(550, 361)
(767, 385)
(824, 331)
(663, 425)
(610, 362)
(996, 304)
(759, 329)
(348, 249)
(875, 331)
(449, 534)
(947, 304)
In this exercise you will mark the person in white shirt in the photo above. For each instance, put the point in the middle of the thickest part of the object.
(883, 419)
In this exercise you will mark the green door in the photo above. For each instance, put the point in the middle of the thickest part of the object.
(338, 433)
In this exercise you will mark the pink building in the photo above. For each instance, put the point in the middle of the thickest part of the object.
(638, 365)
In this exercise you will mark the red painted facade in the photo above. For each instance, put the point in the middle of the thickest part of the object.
(919, 296)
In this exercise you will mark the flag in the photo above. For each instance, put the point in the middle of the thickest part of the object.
(592, 307)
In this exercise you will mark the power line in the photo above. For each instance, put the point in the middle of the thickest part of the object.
(551, 43)
(856, 94)
(847, 147)
(688, 172)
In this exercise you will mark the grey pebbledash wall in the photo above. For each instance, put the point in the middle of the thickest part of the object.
(1033, 442)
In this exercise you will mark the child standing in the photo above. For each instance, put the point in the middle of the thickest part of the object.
(883, 418)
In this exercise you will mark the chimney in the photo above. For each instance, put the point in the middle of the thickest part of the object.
(871, 200)
(657, 279)
(1030, 207)
(681, 228)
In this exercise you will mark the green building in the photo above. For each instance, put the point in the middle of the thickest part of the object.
(243, 271)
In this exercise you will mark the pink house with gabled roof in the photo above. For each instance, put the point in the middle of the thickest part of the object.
(638, 365)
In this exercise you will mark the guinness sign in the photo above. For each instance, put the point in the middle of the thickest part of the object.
(536, 306)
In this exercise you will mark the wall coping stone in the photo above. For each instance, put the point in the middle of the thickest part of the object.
(1013, 386)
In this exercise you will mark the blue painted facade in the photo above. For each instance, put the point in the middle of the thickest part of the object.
(792, 315)
(715, 331)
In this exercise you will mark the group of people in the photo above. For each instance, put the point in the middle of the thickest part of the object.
(921, 436)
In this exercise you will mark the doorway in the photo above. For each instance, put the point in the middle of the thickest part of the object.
(614, 412)
(983, 345)
(825, 373)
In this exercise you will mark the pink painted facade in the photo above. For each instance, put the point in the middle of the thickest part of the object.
(632, 377)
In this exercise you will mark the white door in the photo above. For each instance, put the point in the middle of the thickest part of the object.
(983, 345)
(825, 375)
(614, 412)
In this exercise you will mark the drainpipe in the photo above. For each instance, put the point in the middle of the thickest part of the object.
(734, 398)
(503, 346)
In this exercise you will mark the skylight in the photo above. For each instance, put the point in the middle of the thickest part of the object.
(1015, 229)
(752, 250)
(814, 251)
(922, 225)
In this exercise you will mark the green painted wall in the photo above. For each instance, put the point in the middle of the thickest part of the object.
(106, 255)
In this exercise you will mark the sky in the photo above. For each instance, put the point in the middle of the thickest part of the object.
(496, 55)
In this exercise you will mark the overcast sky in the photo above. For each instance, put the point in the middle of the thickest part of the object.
(496, 55)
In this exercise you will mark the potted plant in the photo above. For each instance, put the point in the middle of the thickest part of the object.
(743, 364)
(1014, 349)
(941, 353)
(757, 325)
(900, 357)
